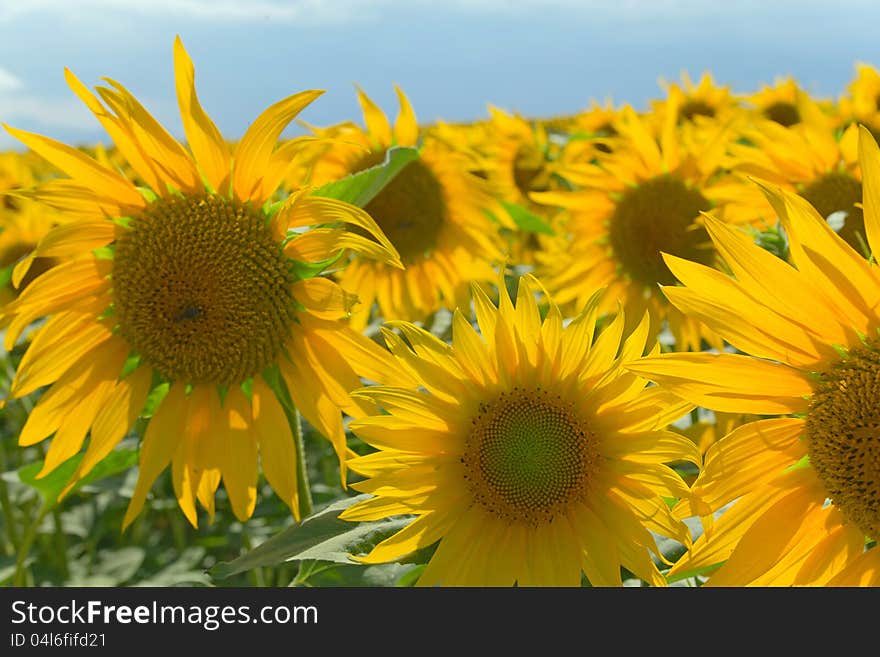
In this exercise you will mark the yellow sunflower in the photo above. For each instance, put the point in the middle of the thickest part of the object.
(22, 224)
(699, 103)
(20, 231)
(777, 103)
(520, 157)
(643, 198)
(187, 288)
(805, 484)
(433, 212)
(812, 159)
(527, 451)
(861, 103)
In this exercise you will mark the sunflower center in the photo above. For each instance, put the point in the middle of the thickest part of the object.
(410, 210)
(658, 216)
(202, 290)
(839, 192)
(843, 434)
(528, 171)
(693, 108)
(785, 114)
(528, 456)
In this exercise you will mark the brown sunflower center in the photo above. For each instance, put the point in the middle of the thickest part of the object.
(843, 434)
(529, 172)
(658, 216)
(202, 290)
(839, 192)
(411, 211)
(785, 114)
(695, 107)
(528, 456)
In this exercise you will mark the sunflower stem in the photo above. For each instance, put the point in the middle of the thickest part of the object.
(27, 541)
(8, 514)
(302, 479)
(61, 544)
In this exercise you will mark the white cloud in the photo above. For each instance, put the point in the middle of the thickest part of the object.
(8, 81)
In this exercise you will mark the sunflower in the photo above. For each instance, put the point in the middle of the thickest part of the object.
(433, 212)
(186, 291)
(804, 483)
(643, 198)
(527, 453)
(520, 157)
(699, 103)
(22, 224)
(594, 128)
(777, 103)
(812, 159)
(861, 103)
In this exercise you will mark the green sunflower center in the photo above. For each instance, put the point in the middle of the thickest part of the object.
(411, 211)
(843, 434)
(839, 192)
(695, 107)
(528, 456)
(529, 172)
(785, 114)
(658, 216)
(202, 290)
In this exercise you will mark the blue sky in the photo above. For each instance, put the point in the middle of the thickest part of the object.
(540, 58)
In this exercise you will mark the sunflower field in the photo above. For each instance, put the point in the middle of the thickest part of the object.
(625, 347)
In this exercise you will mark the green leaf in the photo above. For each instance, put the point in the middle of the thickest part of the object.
(50, 486)
(303, 270)
(360, 188)
(6, 275)
(321, 537)
(526, 220)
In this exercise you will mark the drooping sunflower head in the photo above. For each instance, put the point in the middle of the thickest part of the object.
(803, 480)
(195, 285)
(635, 203)
(526, 451)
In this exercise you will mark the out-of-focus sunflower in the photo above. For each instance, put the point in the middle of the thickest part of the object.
(593, 130)
(22, 222)
(861, 103)
(804, 486)
(433, 212)
(519, 157)
(527, 452)
(700, 103)
(640, 200)
(812, 159)
(21, 230)
(187, 287)
(777, 103)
